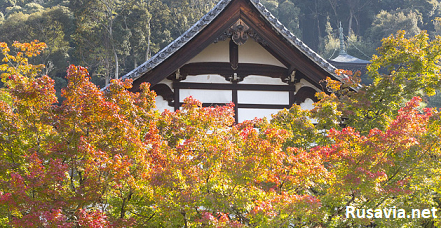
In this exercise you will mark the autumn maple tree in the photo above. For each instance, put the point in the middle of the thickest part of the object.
(109, 159)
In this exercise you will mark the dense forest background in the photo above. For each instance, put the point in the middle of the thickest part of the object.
(111, 37)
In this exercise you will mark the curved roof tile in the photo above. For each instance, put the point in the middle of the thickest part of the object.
(207, 19)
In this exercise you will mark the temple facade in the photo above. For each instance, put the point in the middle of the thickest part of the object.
(240, 53)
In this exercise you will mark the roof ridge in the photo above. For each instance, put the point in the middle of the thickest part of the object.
(175, 45)
(293, 39)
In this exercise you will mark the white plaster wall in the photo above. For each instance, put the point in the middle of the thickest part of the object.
(205, 79)
(253, 52)
(162, 104)
(244, 113)
(308, 104)
(251, 113)
(206, 96)
(263, 97)
(304, 83)
(244, 96)
(216, 52)
(166, 82)
(250, 52)
(251, 79)
(263, 80)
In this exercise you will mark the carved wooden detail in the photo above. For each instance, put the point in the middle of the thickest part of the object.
(224, 69)
(239, 33)
(291, 77)
(165, 92)
(256, 37)
(177, 76)
(232, 86)
(305, 93)
(283, 45)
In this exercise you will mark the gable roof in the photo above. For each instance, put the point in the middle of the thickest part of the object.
(144, 72)
(346, 58)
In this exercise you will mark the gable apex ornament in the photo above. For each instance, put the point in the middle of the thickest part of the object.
(239, 20)
(239, 32)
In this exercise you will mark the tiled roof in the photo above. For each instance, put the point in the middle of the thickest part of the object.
(345, 58)
(207, 19)
(296, 42)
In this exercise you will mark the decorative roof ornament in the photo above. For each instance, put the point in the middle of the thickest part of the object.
(239, 32)
(343, 56)
(194, 30)
(342, 41)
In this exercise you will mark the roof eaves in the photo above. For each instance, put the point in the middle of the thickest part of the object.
(174, 46)
(296, 42)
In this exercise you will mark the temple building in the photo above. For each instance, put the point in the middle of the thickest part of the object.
(349, 62)
(238, 52)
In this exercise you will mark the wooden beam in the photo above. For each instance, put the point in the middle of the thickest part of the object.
(276, 44)
(234, 55)
(176, 101)
(304, 93)
(235, 101)
(206, 37)
(221, 86)
(225, 69)
(250, 106)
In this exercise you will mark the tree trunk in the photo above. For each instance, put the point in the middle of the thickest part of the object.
(147, 53)
(350, 23)
(116, 63)
(112, 43)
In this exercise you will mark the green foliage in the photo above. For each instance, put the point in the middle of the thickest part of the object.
(434, 101)
(289, 15)
(330, 44)
(109, 159)
(113, 37)
(32, 7)
(78, 31)
(412, 63)
(53, 26)
(387, 23)
(405, 68)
